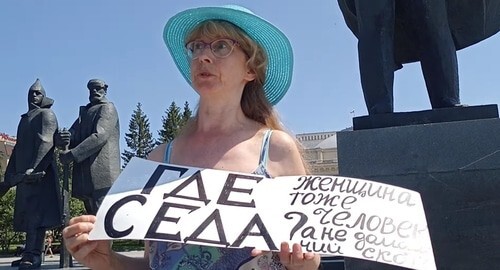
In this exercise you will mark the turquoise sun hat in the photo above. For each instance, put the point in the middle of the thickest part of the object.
(271, 39)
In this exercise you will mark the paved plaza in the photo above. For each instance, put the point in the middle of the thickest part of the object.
(53, 262)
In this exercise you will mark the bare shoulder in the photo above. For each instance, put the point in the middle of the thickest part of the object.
(282, 141)
(285, 157)
(158, 153)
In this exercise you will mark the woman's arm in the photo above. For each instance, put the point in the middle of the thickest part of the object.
(285, 158)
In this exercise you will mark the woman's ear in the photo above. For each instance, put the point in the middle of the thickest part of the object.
(250, 76)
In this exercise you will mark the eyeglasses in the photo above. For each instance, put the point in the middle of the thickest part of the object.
(221, 48)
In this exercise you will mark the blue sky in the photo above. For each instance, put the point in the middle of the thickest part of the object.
(66, 43)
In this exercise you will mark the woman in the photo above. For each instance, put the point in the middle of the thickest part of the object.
(240, 65)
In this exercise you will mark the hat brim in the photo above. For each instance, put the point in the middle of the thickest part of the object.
(271, 39)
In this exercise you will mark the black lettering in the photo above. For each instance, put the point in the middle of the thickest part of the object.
(295, 197)
(403, 226)
(371, 226)
(161, 217)
(405, 198)
(347, 201)
(305, 182)
(308, 232)
(327, 200)
(365, 253)
(325, 183)
(360, 244)
(229, 187)
(108, 219)
(353, 189)
(302, 221)
(157, 174)
(383, 254)
(202, 195)
(328, 248)
(340, 216)
(214, 217)
(361, 221)
(388, 226)
(318, 212)
(256, 220)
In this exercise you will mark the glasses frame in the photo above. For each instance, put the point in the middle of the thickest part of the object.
(233, 43)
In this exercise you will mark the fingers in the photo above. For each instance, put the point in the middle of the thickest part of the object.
(297, 258)
(77, 232)
(291, 258)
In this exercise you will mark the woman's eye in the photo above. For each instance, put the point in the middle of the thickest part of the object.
(221, 45)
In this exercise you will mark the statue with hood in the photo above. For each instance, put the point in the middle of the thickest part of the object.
(391, 33)
(32, 168)
(94, 149)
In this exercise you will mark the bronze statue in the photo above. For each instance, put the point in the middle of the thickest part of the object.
(33, 169)
(391, 33)
(93, 141)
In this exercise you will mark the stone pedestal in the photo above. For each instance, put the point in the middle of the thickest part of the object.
(455, 166)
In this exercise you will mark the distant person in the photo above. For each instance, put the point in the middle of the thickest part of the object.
(48, 245)
(94, 149)
(33, 169)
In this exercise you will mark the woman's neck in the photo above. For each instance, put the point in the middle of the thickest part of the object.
(221, 118)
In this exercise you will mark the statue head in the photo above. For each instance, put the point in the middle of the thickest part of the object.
(97, 91)
(36, 94)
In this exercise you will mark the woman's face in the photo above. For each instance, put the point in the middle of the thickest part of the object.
(212, 74)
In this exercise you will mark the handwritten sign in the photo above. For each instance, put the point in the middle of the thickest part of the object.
(326, 214)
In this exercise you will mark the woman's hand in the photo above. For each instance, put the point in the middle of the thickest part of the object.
(93, 254)
(297, 259)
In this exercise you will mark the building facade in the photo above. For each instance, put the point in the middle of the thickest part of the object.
(320, 152)
(6, 145)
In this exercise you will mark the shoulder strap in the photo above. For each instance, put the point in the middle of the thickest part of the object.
(168, 152)
(264, 152)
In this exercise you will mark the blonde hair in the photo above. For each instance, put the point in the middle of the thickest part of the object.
(253, 100)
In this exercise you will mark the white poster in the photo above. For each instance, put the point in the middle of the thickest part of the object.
(330, 215)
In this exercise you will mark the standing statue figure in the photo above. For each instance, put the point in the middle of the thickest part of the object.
(392, 32)
(93, 141)
(32, 168)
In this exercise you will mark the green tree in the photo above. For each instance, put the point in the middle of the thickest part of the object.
(7, 234)
(139, 139)
(186, 114)
(173, 121)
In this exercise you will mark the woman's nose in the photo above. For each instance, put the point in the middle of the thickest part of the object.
(205, 55)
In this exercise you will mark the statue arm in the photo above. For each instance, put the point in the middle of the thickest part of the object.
(45, 139)
(73, 130)
(104, 126)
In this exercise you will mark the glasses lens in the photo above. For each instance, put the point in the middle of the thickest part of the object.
(194, 48)
(222, 47)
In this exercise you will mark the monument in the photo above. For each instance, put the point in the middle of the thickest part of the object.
(391, 33)
(450, 154)
(93, 142)
(32, 169)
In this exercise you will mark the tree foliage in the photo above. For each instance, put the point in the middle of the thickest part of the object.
(186, 113)
(7, 234)
(173, 121)
(139, 138)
